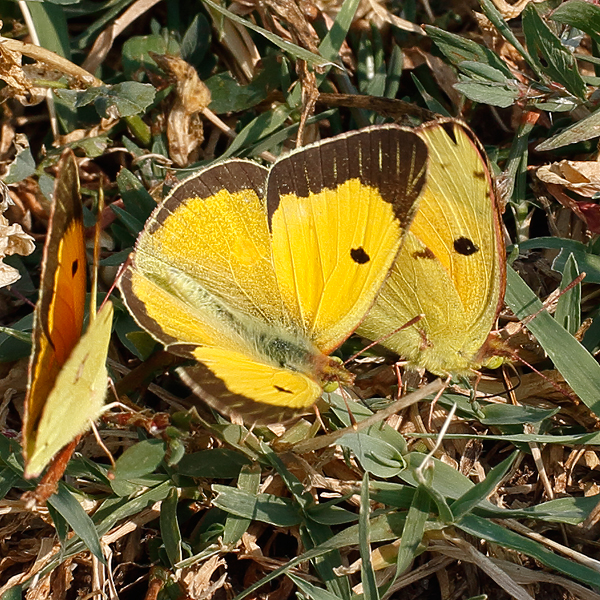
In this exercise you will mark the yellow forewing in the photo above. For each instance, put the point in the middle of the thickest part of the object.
(221, 240)
(327, 285)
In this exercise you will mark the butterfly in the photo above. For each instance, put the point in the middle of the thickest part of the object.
(67, 372)
(258, 274)
(451, 269)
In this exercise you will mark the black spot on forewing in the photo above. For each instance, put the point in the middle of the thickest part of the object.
(465, 246)
(282, 390)
(359, 256)
(74, 268)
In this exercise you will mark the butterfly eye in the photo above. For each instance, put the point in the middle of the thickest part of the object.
(465, 246)
(359, 256)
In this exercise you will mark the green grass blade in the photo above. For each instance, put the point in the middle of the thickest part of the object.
(575, 363)
(71, 511)
(370, 591)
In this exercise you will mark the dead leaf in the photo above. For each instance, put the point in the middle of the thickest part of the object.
(19, 84)
(13, 240)
(185, 133)
(581, 177)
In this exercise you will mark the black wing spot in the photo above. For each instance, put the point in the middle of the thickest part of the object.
(282, 390)
(74, 267)
(465, 246)
(477, 174)
(426, 253)
(359, 256)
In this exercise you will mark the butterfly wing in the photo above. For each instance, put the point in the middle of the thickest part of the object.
(203, 261)
(451, 269)
(231, 382)
(77, 396)
(59, 312)
(202, 282)
(338, 212)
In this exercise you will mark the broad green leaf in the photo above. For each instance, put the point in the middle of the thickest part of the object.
(266, 508)
(138, 202)
(217, 463)
(136, 53)
(586, 129)
(169, 527)
(236, 526)
(140, 459)
(568, 307)
(375, 456)
(459, 50)
(580, 14)
(22, 166)
(507, 414)
(502, 95)
(65, 503)
(551, 57)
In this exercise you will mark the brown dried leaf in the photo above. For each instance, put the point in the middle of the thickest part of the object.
(18, 81)
(198, 579)
(511, 11)
(13, 240)
(184, 125)
(581, 176)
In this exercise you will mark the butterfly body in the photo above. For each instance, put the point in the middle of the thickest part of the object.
(259, 274)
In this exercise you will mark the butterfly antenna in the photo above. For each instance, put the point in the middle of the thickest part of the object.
(319, 417)
(20, 296)
(385, 337)
(557, 387)
(529, 318)
(524, 322)
(344, 396)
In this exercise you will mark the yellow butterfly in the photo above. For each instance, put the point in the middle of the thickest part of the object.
(451, 269)
(67, 371)
(259, 274)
